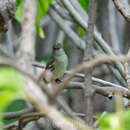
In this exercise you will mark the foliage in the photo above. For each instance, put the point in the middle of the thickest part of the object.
(11, 86)
(14, 106)
(81, 31)
(19, 11)
(43, 6)
(120, 121)
(85, 5)
(39, 30)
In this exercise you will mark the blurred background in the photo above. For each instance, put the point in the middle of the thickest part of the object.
(113, 28)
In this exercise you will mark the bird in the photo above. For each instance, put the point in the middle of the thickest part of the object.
(57, 64)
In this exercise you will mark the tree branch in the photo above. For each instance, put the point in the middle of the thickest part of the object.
(89, 65)
(66, 28)
(89, 91)
(107, 91)
(127, 71)
(37, 88)
(123, 8)
(82, 20)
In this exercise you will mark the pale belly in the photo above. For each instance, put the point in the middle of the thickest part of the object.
(59, 72)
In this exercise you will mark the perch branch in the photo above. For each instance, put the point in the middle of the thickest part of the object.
(80, 18)
(89, 65)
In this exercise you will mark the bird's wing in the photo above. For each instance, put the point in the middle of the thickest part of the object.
(51, 64)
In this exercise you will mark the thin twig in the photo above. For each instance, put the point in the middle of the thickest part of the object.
(80, 75)
(127, 71)
(26, 55)
(66, 28)
(24, 119)
(107, 91)
(37, 86)
(123, 8)
(11, 126)
(62, 11)
(11, 115)
(82, 20)
(60, 37)
(89, 91)
(89, 65)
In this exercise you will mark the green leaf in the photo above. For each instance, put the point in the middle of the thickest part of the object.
(110, 122)
(19, 11)
(11, 86)
(18, 2)
(39, 30)
(43, 6)
(126, 116)
(68, 93)
(41, 11)
(120, 121)
(14, 106)
(84, 4)
(81, 31)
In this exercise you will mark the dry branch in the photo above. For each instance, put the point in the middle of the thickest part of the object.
(25, 56)
(89, 65)
(127, 71)
(89, 91)
(107, 91)
(80, 16)
(123, 8)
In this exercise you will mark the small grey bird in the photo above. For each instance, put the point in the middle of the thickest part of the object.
(58, 62)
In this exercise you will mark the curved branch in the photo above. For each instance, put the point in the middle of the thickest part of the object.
(89, 65)
(66, 28)
(123, 8)
(39, 87)
(107, 91)
(80, 19)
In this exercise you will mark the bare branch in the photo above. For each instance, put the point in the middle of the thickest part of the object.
(35, 88)
(26, 50)
(94, 79)
(124, 8)
(107, 91)
(82, 20)
(26, 55)
(62, 11)
(11, 126)
(24, 119)
(89, 65)
(89, 91)
(60, 37)
(127, 71)
(66, 28)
